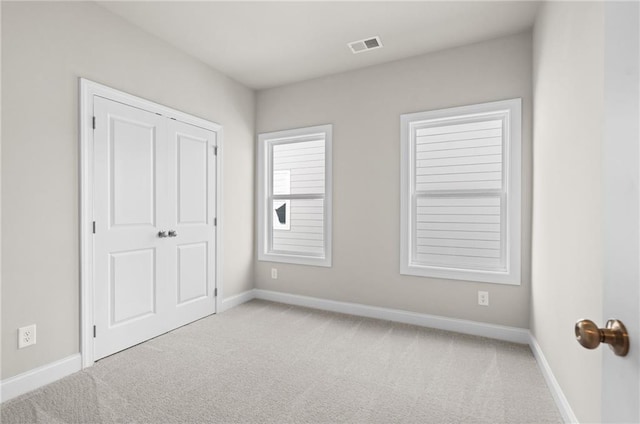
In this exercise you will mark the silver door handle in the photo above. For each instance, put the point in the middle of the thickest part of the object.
(162, 234)
(173, 233)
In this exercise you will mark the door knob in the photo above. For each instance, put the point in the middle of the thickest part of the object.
(173, 233)
(162, 234)
(614, 334)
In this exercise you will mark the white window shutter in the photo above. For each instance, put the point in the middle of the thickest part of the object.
(461, 194)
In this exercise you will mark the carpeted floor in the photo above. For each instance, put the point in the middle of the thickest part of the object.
(264, 362)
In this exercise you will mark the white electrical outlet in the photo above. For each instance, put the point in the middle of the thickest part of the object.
(483, 298)
(274, 273)
(26, 336)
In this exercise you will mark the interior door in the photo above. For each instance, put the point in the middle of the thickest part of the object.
(621, 153)
(155, 230)
(192, 196)
(130, 207)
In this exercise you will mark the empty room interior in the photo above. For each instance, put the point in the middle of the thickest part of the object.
(354, 212)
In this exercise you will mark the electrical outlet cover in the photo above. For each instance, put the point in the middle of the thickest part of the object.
(483, 298)
(26, 336)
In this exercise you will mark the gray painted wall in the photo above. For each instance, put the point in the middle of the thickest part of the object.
(45, 48)
(364, 107)
(567, 199)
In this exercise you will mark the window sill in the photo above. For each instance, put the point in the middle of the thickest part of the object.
(494, 277)
(295, 259)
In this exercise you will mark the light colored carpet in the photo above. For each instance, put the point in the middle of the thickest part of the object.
(264, 362)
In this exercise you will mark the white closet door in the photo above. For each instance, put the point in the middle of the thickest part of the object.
(131, 261)
(192, 173)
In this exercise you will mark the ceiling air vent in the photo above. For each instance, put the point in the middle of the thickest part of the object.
(365, 45)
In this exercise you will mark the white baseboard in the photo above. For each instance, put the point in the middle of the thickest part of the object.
(238, 299)
(38, 377)
(500, 332)
(556, 391)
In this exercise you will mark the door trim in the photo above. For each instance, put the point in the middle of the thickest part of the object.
(89, 89)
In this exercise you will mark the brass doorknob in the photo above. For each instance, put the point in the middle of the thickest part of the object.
(614, 334)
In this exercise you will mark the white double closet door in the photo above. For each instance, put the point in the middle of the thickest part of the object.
(154, 210)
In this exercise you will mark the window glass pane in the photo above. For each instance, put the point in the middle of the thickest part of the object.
(464, 232)
(459, 156)
(298, 226)
(281, 215)
(282, 182)
(298, 168)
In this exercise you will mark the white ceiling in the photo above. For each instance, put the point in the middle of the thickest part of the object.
(267, 44)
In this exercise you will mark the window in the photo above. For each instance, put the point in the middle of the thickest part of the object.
(294, 206)
(460, 200)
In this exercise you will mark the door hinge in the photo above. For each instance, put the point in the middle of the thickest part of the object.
(215, 150)
(94, 122)
(215, 222)
(94, 227)
(215, 292)
(94, 331)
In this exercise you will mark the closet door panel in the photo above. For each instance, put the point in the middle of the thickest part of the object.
(192, 184)
(192, 179)
(192, 272)
(130, 207)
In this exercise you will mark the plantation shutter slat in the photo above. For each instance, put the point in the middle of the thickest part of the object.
(457, 242)
(299, 146)
(462, 160)
(285, 153)
(467, 152)
(459, 128)
(465, 210)
(297, 160)
(462, 185)
(455, 261)
(298, 235)
(455, 235)
(457, 226)
(460, 218)
(459, 143)
(460, 169)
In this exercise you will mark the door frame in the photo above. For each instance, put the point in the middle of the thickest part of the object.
(88, 89)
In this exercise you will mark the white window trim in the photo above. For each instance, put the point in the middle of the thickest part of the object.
(263, 196)
(512, 153)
